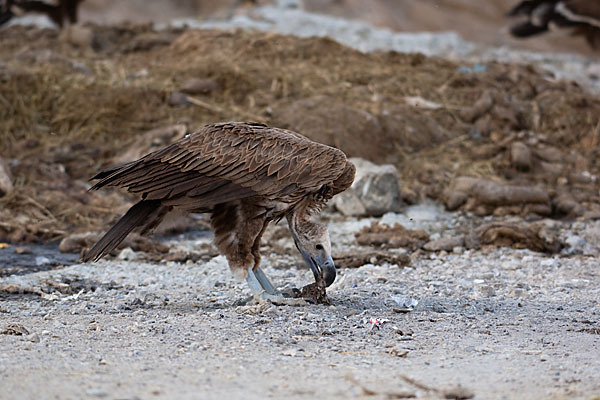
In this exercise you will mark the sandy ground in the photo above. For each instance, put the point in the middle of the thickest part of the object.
(488, 324)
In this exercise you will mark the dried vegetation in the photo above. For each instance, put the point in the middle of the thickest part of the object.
(75, 102)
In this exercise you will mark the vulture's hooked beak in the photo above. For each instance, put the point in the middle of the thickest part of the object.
(320, 266)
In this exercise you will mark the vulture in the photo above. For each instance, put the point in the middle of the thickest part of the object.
(582, 16)
(245, 174)
(59, 11)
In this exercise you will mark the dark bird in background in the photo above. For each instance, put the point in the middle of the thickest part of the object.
(582, 17)
(59, 12)
(245, 175)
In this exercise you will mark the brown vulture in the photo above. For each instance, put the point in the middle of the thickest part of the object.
(582, 16)
(58, 11)
(245, 175)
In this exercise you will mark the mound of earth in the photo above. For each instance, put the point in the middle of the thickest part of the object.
(77, 101)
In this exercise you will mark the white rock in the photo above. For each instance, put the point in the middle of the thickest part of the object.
(34, 337)
(575, 241)
(41, 260)
(375, 190)
(127, 254)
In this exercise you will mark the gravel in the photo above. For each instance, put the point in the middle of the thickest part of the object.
(490, 323)
(496, 323)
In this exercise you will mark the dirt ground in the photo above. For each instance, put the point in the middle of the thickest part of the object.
(508, 310)
(485, 324)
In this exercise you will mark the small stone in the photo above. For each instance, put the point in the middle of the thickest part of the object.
(549, 154)
(41, 260)
(178, 99)
(454, 199)
(549, 262)
(458, 250)
(290, 352)
(22, 250)
(445, 244)
(405, 304)
(567, 205)
(575, 241)
(520, 156)
(33, 337)
(480, 107)
(396, 352)
(487, 290)
(127, 254)
(199, 86)
(75, 242)
(96, 392)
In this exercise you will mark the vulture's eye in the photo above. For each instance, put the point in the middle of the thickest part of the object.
(319, 247)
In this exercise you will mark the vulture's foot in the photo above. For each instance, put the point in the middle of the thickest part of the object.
(263, 290)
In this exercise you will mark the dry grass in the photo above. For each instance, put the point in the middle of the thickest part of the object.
(68, 111)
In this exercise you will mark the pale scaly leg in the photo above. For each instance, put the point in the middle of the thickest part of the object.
(269, 288)
(264, 281)
(260, 293)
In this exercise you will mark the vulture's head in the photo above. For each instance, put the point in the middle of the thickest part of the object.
(312, 240)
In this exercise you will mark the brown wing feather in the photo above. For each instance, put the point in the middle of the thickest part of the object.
(344, 181)
(252, 159)
(222, 163)
(143, 213)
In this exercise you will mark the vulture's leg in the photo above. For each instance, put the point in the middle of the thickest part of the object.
(258, 290)
(264, 281)
(258, 272)
(237, 227)
(261, 294)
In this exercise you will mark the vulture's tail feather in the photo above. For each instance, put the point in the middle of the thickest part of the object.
(137, 215)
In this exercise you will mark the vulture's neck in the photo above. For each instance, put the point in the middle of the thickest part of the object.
(298, 221)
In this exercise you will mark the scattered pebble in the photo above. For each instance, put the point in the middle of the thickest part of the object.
(41, 260)
(33, 337)
(23, 250)
(127, 254)
(96, 393)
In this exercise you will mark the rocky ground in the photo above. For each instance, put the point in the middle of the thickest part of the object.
(491, 323)
(481, 282)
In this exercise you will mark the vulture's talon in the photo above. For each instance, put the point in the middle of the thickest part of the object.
(280, 300)
(291, 293)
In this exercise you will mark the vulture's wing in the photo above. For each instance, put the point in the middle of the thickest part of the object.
(229, 161)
